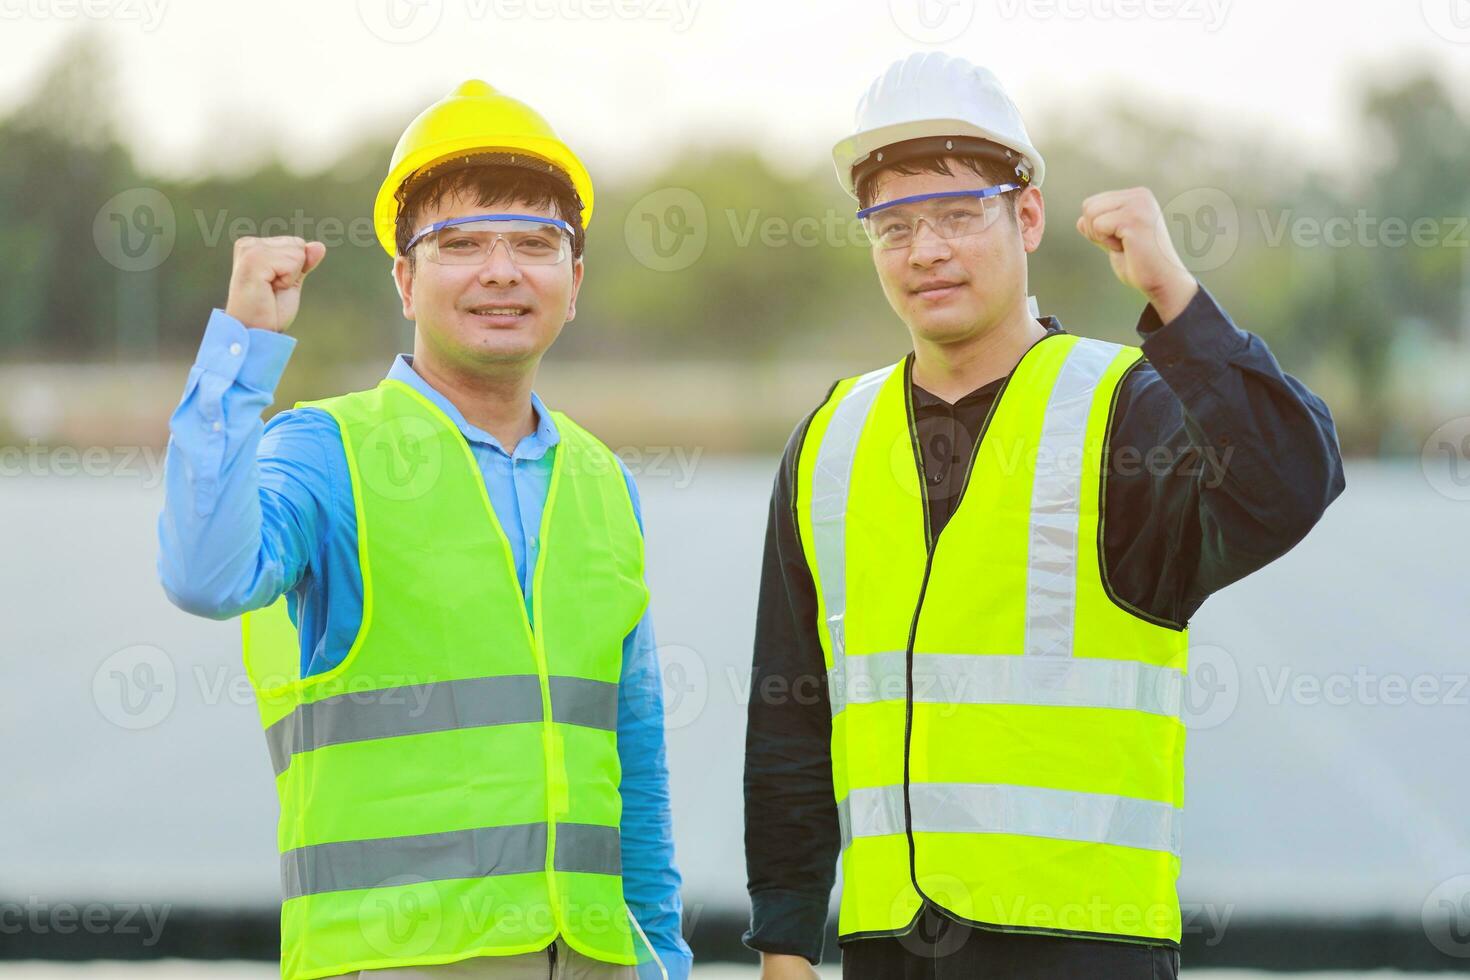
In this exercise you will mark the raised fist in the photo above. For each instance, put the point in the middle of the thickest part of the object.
(265, 283)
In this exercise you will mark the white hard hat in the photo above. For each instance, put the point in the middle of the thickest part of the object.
(947, 105)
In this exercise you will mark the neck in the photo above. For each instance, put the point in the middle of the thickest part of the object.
(498, 402)
(953, 369)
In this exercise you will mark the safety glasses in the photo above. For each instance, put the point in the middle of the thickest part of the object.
(949, 214)
(530, 239)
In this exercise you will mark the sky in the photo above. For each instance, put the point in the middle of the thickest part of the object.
(205, 87)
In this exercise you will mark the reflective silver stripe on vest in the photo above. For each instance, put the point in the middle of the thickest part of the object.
(588, 847)
(585, 702)
(417, 709)
(1051, 567)
(514, 849)
(962, 678)
(1030, 811)
(831, 482)
(844, 822)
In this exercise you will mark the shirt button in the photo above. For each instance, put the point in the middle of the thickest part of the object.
(531, 541)
(216, 426)
(235, 349)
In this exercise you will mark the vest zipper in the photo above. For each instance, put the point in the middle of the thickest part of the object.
(532, 620)
(556, 789)
(932, 542)
(551, 958)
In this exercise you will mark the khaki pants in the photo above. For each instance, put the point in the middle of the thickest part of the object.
(570, 965)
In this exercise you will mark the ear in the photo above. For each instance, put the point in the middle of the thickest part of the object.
(1031, 217)
(576, 285)
(403, 279)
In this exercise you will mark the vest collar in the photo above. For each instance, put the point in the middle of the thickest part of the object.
(927, 401)
(533, 446)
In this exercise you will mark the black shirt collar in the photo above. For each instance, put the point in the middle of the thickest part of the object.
(926, 400)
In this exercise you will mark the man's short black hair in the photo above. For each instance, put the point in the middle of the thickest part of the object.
(990, 171)
(488, 181)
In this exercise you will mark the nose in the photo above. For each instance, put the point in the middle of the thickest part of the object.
(499, 269)
(927, 249)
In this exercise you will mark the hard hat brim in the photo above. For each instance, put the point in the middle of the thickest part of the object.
(852, 149)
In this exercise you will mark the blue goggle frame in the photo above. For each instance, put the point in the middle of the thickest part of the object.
(436, 226)
(979, 192)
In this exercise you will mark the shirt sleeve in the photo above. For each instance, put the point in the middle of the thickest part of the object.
(791, 830)
(651, 880)
(244, 504)
(1219, 463)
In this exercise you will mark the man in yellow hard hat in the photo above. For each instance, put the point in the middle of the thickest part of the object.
(980, 565)
(445, 617)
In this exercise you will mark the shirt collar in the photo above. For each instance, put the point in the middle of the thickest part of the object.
(533, 446)
(928, 400)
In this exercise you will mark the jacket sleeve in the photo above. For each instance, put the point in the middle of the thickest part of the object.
(1219, 463)
(791, 832)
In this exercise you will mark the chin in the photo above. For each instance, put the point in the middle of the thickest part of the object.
(944, 327)
(509, 345)
(505, 350)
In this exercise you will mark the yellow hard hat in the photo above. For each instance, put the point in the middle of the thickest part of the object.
(472, 119)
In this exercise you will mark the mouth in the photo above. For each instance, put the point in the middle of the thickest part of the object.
(937, 290)
(498, 314)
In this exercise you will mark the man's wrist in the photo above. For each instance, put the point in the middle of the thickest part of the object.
(1171, 299)
(785, 922)
(251, 356)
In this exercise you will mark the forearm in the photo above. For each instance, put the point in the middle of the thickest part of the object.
(214, 559)
(791, 840)
(1219, 463)
(651, 880)
(791, 831)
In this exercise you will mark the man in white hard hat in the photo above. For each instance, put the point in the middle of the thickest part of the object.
(980, 565)
(445, 617)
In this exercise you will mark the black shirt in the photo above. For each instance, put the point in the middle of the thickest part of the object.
(1218, 463)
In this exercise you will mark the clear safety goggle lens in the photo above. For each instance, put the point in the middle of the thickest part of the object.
(529, 242)
(948, 217)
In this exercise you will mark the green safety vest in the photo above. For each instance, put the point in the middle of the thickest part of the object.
(1006, 738)
(450, 789)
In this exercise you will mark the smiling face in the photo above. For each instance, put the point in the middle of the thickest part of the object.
(491, 315)
(952, 290)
